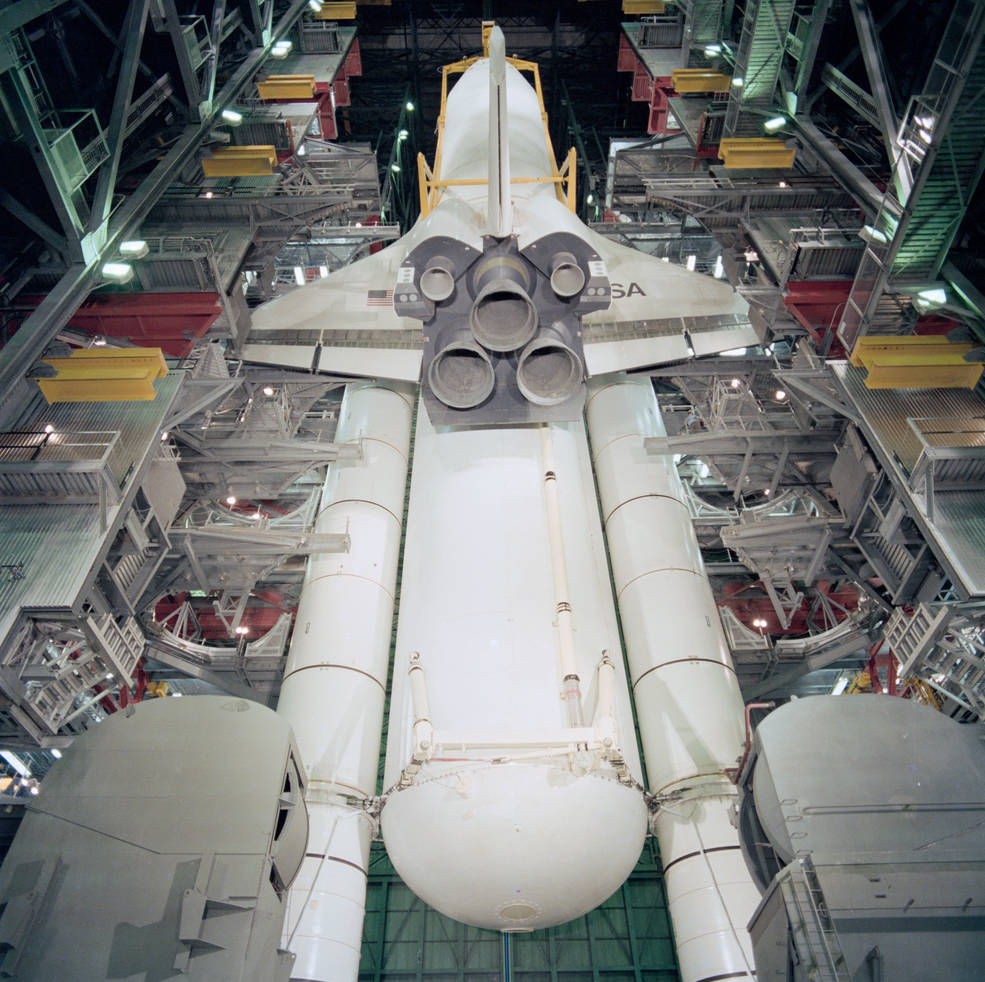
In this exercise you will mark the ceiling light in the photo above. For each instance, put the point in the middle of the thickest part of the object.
(713, 49)
(775, 123)
(208, 194)
(99, 342)
(268, 390)
(134, 249)
(783, 184)
(935, 295)
(56, 753)
(925, 136)
(589, 199)
(177, 695)
(402, 135)
(767, 492)
(48, 428)
(231, 500)
(738, 82)
(409, 106)
(735, 383)
(780, 395)
(281, 49)
(314, 6)
(302, 150)
(869, 234)
(232, 117)
(36, 790)
(118, 272)
(395, 168)
(242, 630)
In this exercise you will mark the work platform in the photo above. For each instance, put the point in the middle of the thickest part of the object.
(931, 443)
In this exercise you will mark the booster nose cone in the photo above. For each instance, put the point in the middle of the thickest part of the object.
(461, 375)
(503, 317)
(548, 372)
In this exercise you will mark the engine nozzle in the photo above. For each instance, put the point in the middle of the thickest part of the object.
(461, 374)
(548, 372)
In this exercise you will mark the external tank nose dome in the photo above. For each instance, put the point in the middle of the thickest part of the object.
(514, 846)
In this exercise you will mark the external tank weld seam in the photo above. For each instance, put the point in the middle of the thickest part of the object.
(650, 572)
(346, 668)
(642, 497)
(678, 661)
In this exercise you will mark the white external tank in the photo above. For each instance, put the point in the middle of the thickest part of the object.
(513, 795)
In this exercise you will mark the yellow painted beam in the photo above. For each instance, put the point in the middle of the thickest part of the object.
(337, 11)
(138, 387)
(700, 80)
(916, 346)
(151, 357)
(104, 375)
(643, 6)
(246, 161)
(756, 152)
(287, 87)
(963, 375)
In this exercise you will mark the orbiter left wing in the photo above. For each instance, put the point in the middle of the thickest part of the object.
(343, 324)
(660, 313)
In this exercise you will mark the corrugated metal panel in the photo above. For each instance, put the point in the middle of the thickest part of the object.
(57, 545)
(886, 410)
(959, 516)
(138, 423)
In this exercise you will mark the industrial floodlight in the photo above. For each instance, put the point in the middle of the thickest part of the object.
(402, 135)
(713, 49)
(409, 106)
(315, 6)
(134, 249)
(738, 81)
(936, 295)
(117, 272)
(232, 117)
(281, 49)
(395, 168)
(774, 124)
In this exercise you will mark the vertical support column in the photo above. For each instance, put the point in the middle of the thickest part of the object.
(335, 679)
(687, 696)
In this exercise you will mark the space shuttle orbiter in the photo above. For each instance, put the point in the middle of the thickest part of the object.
(498, 300)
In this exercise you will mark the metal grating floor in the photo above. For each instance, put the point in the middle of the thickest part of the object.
(957, 533)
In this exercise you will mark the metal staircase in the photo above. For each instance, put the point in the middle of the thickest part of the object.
(811, 926)
(942, 143)
(765, 27)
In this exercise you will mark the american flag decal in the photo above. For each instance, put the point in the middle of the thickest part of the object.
(379, 298)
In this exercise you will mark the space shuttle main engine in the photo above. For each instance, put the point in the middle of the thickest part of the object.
(687, 697)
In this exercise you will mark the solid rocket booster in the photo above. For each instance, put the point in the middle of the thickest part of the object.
(335, 678)
(687, 696)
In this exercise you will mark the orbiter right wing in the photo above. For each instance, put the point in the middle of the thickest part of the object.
(660, 313)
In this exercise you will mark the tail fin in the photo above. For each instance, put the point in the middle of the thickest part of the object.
(500, 207)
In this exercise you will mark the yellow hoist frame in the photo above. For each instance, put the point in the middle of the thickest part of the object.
(430, 184)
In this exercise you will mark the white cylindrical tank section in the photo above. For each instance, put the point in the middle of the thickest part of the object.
(688, 702)
(498, 813)
(335, 678)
